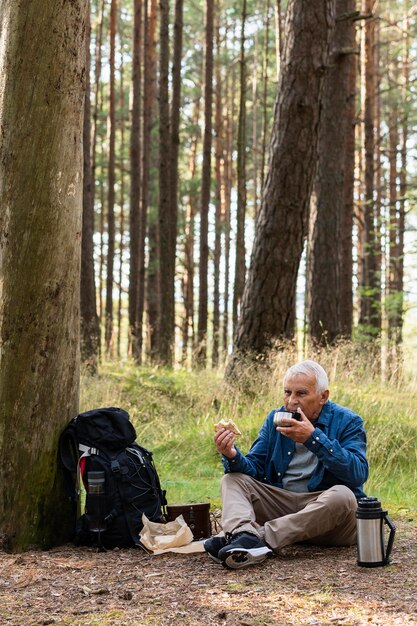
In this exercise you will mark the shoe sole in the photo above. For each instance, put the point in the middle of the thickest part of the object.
(213, 558)
(236, 558)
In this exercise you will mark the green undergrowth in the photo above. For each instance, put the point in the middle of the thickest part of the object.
(173, 412)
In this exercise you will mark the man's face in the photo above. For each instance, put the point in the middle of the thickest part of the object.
(300, 391)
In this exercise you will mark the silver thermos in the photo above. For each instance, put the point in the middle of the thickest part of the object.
(370, 520)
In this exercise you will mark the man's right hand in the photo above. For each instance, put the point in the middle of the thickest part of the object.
(224, 441)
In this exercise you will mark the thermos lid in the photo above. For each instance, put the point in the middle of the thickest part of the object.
(369, 503)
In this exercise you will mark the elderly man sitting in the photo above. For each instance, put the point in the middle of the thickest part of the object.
(300, 480)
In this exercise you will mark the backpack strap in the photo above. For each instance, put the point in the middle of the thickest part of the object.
(117, 474)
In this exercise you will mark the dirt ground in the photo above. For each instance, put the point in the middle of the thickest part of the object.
(303, 585)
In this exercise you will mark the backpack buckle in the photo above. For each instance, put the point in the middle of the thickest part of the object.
(115, 466)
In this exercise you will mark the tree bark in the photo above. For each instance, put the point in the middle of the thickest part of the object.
(268, 305)
(40, 237)
(324, 277)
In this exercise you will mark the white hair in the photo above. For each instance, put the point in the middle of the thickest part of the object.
(310, 368)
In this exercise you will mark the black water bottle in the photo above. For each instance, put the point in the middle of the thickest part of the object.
(96, 501)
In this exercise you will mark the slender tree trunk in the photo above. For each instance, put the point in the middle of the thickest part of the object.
(166, 260)
(268, 305)
(174, 151)
(122, 200)
(279, 39)
(205, 188)
(188, 278)
(90, 329)
(98, 106)
(265, 64)
(240, 268)
(403, 171)
(101, 279)
(218, 196)
(149, 100)
(97, 74)
(393, 223)
(40, 232)
(370, 315)
(111, 185)
(153, 298)
(135, 324)
(255, 115)
(346, 220)
(228, 183)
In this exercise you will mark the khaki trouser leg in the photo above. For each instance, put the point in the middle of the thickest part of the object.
(284, 517)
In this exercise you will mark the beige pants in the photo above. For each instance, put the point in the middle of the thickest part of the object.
(284, 517)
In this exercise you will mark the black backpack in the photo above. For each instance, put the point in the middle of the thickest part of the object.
(119, 476)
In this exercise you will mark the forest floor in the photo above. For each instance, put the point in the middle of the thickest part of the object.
(304, 585)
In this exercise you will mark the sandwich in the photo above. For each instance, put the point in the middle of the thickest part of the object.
(227, 425)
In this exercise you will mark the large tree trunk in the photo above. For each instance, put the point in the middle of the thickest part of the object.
(324, 280)
(90, 328)
(40, 234)
(268, 304)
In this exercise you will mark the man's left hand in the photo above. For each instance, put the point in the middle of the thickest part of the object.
(298, 431)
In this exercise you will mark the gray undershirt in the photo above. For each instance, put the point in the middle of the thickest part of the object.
(300, 469)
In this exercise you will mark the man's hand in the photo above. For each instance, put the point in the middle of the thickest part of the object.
(298, 431)
(225, 443)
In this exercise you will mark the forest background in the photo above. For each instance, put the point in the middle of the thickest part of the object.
(202, 96)
(247, 192)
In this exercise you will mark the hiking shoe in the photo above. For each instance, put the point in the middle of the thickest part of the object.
(213, 545)
(243, 549)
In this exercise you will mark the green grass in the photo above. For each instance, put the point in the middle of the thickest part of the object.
(173, 412)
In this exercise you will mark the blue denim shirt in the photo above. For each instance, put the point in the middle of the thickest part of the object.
(338, 441)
